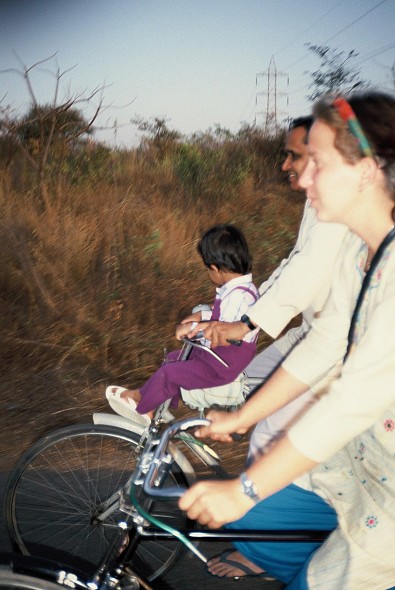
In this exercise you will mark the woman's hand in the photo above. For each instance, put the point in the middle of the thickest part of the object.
(222, 426)
(214, 503)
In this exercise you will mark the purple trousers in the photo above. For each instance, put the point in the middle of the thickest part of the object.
(199, 371)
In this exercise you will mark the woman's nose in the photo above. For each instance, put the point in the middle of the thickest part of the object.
(306, 178)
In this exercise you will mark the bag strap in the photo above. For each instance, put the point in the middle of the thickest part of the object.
(365, 286)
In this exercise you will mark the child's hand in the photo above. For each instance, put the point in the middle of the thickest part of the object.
(187, 324)
(221, 333)
(194, 317)
(184, 329)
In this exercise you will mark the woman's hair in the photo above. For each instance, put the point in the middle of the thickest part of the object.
(375, 112)
(225, 246)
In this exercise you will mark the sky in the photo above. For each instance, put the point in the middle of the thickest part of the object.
(195, 63)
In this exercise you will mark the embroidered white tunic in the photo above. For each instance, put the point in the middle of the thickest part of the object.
(351, 429)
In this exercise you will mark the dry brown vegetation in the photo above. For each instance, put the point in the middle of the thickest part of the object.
(93, 284)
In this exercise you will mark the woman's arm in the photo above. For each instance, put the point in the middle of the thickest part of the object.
(215, 503)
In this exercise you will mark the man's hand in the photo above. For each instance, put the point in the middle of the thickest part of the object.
(220, 333)
(222, 426)
(214, 503)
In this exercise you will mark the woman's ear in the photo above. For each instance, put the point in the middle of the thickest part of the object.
(369, 171)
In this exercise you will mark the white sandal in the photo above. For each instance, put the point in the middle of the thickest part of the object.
(125, 406)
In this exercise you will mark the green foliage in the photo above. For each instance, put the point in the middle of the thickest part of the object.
(215, 163)
(335, 73)
(191, 166)
(158, 137)
(266, 153)
(42, 121)
(91, 163)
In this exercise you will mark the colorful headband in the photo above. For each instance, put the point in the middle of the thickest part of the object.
(347, 114)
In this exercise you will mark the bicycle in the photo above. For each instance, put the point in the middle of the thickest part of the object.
(148, 485)
(67, 486)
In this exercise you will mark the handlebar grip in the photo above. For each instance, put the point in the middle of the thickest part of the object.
(149, 483)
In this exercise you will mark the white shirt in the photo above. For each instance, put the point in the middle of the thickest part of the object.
(302, 281)
(236, 302)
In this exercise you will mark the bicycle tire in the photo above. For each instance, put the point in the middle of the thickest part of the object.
(55, 493)
(10, 579)
(27, 575)
(32, 573)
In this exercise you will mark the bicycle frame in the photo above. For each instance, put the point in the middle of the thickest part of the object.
(149, 475)
(154, 464)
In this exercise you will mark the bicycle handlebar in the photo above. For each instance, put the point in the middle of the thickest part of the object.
(191, 342)
(152, 475)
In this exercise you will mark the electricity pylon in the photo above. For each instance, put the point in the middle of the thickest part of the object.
(272, 114)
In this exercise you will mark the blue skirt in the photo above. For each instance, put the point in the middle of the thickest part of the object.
(292, 508)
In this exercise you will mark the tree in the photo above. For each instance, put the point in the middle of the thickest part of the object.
(48, 129)
(66, 125)
(159, 135)
(335, 73)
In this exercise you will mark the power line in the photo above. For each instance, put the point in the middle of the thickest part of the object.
(339, 32)
(363, 59)
(375, 53)
(313, 24)
(355, 21)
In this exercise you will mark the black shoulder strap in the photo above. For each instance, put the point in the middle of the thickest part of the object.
(365, 286)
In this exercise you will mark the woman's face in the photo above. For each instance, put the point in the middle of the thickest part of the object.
(331, 184)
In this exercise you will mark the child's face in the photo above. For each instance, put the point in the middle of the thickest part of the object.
(216, 275)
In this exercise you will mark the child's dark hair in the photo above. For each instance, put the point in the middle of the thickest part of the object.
(225, 246)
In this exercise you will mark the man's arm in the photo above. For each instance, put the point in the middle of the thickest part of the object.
(304, 281)
(280, 389)
(301, 281)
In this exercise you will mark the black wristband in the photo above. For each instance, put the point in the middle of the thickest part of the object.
(246, 320)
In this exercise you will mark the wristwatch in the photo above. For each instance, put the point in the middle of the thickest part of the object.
(248, 488)
(246, 320)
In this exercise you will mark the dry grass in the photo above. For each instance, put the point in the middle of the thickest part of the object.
(92, 287)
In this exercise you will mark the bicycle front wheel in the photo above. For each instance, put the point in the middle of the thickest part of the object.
(10, 580)
(62, 499)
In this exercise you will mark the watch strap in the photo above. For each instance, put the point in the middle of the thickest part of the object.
(246, 320)
(248, 488)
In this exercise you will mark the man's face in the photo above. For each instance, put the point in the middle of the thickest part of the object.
(297, 156)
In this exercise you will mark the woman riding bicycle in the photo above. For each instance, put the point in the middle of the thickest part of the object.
(335, 468)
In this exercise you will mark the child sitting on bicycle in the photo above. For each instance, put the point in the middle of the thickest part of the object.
(225, 253)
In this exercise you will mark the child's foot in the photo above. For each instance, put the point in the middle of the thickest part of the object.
(123, 402)
(115, 392)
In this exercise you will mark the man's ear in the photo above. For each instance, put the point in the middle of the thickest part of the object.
(214, 268)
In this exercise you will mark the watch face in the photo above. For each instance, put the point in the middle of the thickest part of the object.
(248, 488)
